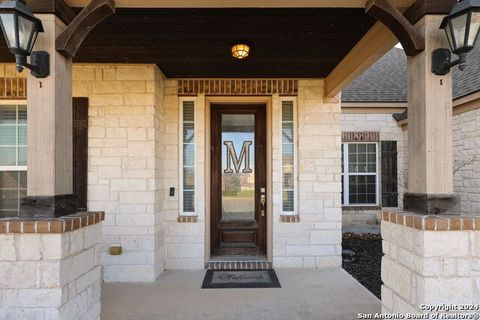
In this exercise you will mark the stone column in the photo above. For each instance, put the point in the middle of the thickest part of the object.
(430, 160)
(50, 170)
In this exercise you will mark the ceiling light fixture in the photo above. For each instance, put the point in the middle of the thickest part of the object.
(240, 51)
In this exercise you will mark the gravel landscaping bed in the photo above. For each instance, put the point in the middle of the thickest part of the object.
(362, 258)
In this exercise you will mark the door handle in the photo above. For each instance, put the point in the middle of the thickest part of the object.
(263, 201)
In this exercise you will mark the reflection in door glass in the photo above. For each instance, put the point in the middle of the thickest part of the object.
(238, 167)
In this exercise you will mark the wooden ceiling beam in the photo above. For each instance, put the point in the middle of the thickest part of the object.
(241, 4)
(378, 41)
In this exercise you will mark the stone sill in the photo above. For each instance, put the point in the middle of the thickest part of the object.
(50, 225)
(187, 219)
(289, 218)
(432, 223)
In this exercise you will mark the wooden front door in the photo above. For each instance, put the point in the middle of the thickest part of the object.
(238, 185)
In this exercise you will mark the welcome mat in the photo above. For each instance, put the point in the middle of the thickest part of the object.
(230, 279)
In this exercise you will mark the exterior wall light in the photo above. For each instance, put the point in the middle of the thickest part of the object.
(20, 29)
(240, 51)
(462, 27)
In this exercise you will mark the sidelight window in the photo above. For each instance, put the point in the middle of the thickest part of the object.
(288, 157)
(188, 157)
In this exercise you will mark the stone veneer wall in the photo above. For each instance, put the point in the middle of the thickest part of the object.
(369, 220)
(466, 146)
(431, 260)
(314, 241)
(52, 275)
(125, 155)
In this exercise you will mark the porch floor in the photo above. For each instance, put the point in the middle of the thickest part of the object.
(305, 294)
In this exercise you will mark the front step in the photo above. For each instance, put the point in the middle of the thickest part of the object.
(239, 265)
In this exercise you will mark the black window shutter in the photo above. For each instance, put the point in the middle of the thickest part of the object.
(389, 174)
(80, 150)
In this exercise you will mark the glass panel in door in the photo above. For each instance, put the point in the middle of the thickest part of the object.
(238, 167)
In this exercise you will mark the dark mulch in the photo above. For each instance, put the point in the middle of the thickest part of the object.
(362, 258)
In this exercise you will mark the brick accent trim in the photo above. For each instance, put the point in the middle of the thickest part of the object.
(432, 223)
(187, 219)
(50, 225)
(13, 88)
(238, 87)
(289, 219)
(367, 136)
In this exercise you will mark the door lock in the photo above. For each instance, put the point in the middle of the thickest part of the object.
(263, 201)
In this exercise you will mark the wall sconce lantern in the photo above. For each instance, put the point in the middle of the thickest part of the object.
(462, 27)
(240, 51)
(20, 29)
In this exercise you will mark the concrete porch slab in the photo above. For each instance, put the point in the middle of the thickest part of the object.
(305, 294)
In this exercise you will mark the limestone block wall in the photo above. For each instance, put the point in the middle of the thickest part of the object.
(429, 260)
(124, 154)
(51, 276)
(185, 242)
(315, 241)
(466, 146)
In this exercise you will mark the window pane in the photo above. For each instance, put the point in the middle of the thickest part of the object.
(288, 156)
(23, 179)
(22, 135)
(9, 179)
(8, 156)
(22, 156)
(287, 111)
(22, 114)
(188, 111)
(9, 199)
(188, 132)
(362, 189)
(188, 178)
(188, 201)
(8, 115)
(188, 156)
(288, 201)
(8, 135)
(287, 132)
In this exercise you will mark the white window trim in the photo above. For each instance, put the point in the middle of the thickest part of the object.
(295, 157)
(346, 191)
(180, 174)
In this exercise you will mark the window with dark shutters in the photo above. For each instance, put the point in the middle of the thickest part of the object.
(80, 150)
(389, 174)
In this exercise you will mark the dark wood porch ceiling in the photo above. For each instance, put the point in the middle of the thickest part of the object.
(195, 43)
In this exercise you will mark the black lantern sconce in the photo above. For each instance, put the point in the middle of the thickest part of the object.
(462, 27)
(20, 29)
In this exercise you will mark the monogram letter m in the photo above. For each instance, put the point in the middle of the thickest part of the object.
(237, 161)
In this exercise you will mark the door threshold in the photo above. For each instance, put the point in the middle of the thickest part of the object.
(238, 263)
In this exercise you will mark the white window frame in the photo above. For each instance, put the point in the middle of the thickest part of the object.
(295, 157)
(15, 103)
(346, 174)
(180, 182)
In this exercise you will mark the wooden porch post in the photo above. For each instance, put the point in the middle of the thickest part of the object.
(430, 160)
(50, 180)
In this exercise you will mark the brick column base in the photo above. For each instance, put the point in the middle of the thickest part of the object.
(50, 269)
(430, 260)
